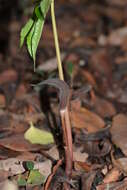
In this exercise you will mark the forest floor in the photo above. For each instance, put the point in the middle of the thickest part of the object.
(93, 42)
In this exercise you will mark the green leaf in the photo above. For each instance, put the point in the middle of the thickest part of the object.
(45, 5)
(21, 181)
(70, 68)
(29, 40)
(38, 136)
(25, 30)
(33, 38)
(38, 12)
(35, 178)
(30, 165)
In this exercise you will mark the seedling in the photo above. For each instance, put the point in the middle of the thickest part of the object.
(34, 177)
(31, 33)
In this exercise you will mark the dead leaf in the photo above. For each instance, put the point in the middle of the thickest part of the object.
(122, 185)
(121, 3)
(112, 176)
(8, 185)
(15, 166)
(94, 150)
(78, 155)
(116, 37)
(21, 90)
(84, 119)
(9, 75)
(121, 164)
(2, 101)
(87, 180)
(50, 65)
(119, 131)
(53, 152)
(103, 107)
(82, 166)
(101, 62)
(18, 143)
(29, 156)
(3, 175)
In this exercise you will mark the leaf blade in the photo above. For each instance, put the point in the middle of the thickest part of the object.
(38, 136)
(45, 5)
(36, 36)
(25, 30)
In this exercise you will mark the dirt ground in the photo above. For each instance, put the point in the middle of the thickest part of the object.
(93, 42)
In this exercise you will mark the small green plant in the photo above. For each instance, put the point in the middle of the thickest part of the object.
(34, 177)
(31, 34)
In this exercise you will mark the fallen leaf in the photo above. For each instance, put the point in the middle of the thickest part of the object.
(18, 143)
(35, 178)
(15, 166)
(122, 185)
(9, 75)
(119, 131)
(2, 101)
(82, 166)
(87, 180)
(103, 107)
(100, 62)
(121, 3)
(78, 155)
(53, 152)
(112, 176)
(50, 65)
(38, 136)
(8, 185)
(29, 156)
(84, 119)
(116, 37)
(121, 164)
(3, 175)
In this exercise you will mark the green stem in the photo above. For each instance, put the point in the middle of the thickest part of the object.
(55, 34)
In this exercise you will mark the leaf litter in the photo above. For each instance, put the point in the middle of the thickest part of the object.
(96, 94)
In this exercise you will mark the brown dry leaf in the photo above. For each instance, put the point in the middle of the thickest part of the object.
(8, 185)
(29, 156)
(2, 101)
(12, 165)
(116, 14)
(87, 180)
(80, 41)
(103, 107)
(9, 75)
(78, 155)
(15, 166)
(119, 132)
(89, 77)
(116, 37)
(84, 119)
(18, 143)
(112, 176)
(93, 148)
(122, 185)
(3, 175)
(50, 65)
(21, 90)
(121, 3)
(53, 152)
(121, 164)
(82, 166)
(100, 62)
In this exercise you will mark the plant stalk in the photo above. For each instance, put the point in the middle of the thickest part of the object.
(65, 119)
(55, 34)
